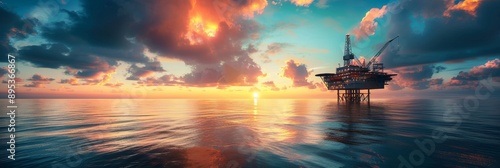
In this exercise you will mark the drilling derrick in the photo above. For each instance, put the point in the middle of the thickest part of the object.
(348, 56)
(352, 80)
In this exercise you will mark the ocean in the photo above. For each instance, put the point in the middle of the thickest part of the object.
(253, 133)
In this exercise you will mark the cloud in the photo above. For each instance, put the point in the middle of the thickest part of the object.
(89, 44)
(72, 81)
(18, 80)
(12, 26)
(415, 77)
(40, 78)
(468, 6)
(113, 85)
(3, 71)
(254, 89)
(282, 26)
(440, 68)
(58, 56)
(428, 37)
(213, 47)
(470, 79)
(38, 81)
(206, 35)
(270, 85)
(196, 33)
(273, 49)
(230, 8)
(97, 81)
(298, 73)
(102, 80)
(242, 71)
(322, 4)
(367, 26)
(147, 70)
(165, 80)
(302, 2)
(100, 29)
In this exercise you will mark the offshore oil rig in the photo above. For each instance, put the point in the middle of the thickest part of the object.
(352, 78)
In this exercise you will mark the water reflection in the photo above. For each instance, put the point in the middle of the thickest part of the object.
(355, 124)
(244, 133)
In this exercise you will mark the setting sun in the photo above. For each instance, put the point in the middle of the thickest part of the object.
(255, 95)
(178, 83)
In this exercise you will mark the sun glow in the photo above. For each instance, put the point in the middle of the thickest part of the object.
(200, 26)
(203, 23)
(255, 95)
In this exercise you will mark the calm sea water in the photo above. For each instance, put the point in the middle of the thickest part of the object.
(252, 133)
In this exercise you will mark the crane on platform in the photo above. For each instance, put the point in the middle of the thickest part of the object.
(374, 58)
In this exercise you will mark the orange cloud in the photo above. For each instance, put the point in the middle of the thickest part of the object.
(302, 2)
(205, 16)
(256, 6)
(468, 6)
(368, 25)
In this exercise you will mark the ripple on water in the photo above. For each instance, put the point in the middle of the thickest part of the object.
(267, 133)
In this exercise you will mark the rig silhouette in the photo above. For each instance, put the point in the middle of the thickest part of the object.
(351, 79)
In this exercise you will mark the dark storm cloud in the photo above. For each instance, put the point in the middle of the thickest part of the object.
(213, 60)
(89, 44)
(12, 26)
(102, 28)
(446, 35)
(99, 24)
(57, 55)
(225, 46)
(416, 72)
(221, 59)
(46, 56)
(113, 31)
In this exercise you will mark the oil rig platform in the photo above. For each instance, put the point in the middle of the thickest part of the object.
(355, 77)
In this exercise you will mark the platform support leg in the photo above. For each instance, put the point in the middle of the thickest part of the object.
(338, 96)
(368, 95)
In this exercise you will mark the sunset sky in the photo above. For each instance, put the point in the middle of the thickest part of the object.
(234, 48)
